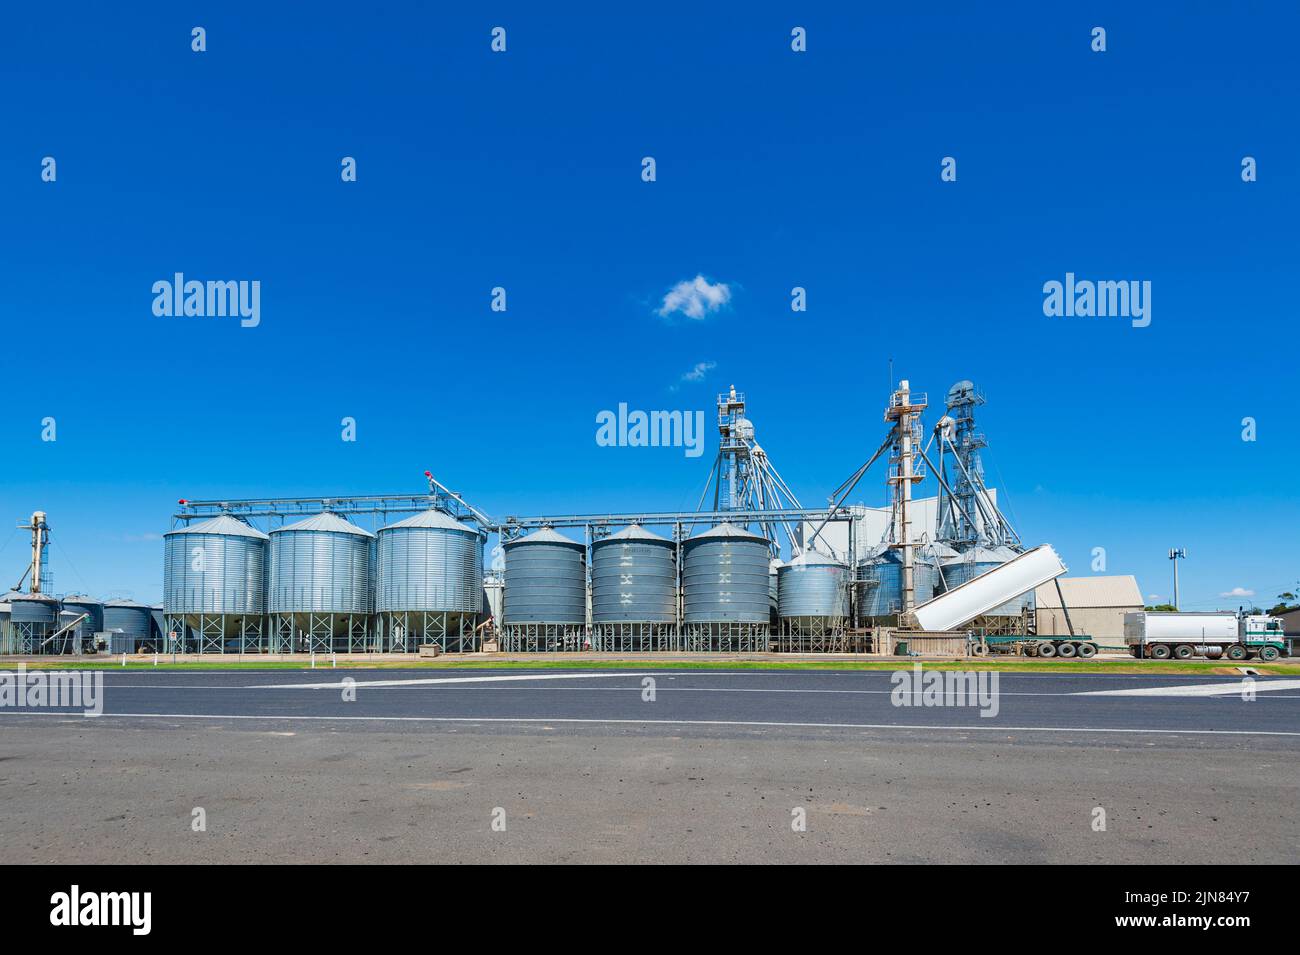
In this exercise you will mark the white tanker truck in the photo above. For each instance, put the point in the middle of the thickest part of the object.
(1161, 635)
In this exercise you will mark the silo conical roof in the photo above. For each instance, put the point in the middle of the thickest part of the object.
(635, 532)
(729, 530)
(325, 522)
(544, 535)
(222, 524)
(434, 518)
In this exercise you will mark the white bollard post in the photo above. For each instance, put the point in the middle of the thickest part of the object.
(124, 659)
(334, 661)
(155, 658)
(313, 659)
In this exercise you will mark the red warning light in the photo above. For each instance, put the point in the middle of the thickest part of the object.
(428, 474)
(182, 501)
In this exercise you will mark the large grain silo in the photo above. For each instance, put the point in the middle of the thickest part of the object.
(214, 586)
(545, 603)
(319, 595)
(813, 602)
(880, 583)
(634, 591)
(428, 583)
(33, 619)
(726, 589)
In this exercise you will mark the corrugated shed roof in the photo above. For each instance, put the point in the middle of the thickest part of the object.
(434, 518)
(545, 536)
(222, 524)
(325, 521)
(635, 532)
(1117, 591)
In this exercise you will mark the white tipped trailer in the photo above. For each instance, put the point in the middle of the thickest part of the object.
(993, 588)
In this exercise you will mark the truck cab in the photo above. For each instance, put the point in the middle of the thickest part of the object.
(1254, 630)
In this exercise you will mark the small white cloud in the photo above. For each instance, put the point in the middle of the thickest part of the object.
(1154, 597)
(1238, 592)
(701, 369)
(695, 298)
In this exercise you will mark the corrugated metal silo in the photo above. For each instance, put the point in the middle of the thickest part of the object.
(880, 582)
(217, 566)
(129, 620)
(429, 582)
(633, 578)
(814, 585)
(726, 577)
(429, 562)
(546, 581)
(320, 565)
(32, 618)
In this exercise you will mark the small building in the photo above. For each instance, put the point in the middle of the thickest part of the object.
(1290, 621)
(1097, 606)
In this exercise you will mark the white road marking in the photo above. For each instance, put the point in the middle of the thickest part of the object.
(1197, 689)
(630, 689)
(338, 685)
(621, 722)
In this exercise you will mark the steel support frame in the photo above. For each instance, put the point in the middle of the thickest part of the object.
(635, 637)
(545, 638)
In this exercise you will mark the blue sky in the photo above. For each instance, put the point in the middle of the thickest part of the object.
(774, 169)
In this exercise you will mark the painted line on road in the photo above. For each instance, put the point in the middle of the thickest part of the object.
(623, 722)
(1197, 689)
(349, 682)
(637, 689)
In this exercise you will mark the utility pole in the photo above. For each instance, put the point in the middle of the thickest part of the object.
(1176, 554)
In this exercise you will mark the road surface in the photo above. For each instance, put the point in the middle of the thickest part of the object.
(692, 766)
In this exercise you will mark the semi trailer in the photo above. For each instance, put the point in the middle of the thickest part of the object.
(1160, 635)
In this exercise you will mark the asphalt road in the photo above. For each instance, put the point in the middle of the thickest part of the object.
(584, 766)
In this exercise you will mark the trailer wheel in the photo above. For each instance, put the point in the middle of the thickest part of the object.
(1087, 650)
(1160, 651)
(1046, 649)
(1066, 650)
(1184, 652)
(1237, 652)
(1268, 654)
